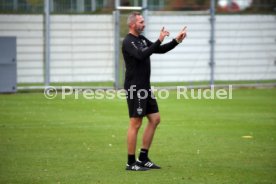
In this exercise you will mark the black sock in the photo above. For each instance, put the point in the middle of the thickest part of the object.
(131, 159)
(143, 154)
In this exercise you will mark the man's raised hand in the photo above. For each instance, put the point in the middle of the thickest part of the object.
(163, 34)
(181, 35)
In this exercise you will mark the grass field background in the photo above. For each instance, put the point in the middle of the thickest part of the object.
(84, 141)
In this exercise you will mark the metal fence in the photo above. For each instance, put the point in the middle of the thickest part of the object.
(245, 48)
(83, 48)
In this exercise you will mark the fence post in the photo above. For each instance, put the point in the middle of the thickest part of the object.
(212, 41)
(117, 43)
(145, 12)
(47, 42)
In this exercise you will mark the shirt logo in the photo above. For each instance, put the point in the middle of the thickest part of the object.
(134, 45)
(145, 43)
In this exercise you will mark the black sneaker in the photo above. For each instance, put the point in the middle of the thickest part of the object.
(136, 167)
(148, 164)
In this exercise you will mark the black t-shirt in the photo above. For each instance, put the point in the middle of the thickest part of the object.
(137, 52)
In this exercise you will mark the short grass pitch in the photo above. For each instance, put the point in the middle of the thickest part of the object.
(84, 141)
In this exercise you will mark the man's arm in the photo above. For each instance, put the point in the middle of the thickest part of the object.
(162, 48)
(166, 47)
(140, 54)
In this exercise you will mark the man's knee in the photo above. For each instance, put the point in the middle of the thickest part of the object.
(156, 120)
(135, 123)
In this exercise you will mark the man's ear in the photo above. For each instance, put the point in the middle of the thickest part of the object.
(132, 25)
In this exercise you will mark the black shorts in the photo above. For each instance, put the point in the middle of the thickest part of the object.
(140, 104)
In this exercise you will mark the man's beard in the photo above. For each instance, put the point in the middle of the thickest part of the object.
(139, 30)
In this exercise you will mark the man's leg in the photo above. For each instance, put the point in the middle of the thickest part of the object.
(154, 120)
(134, 125)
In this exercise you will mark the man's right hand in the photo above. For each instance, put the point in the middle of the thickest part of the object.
(163, 34)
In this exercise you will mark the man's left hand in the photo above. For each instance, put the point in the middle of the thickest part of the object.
(181, 35)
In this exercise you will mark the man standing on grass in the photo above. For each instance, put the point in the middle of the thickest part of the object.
(137, 51)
